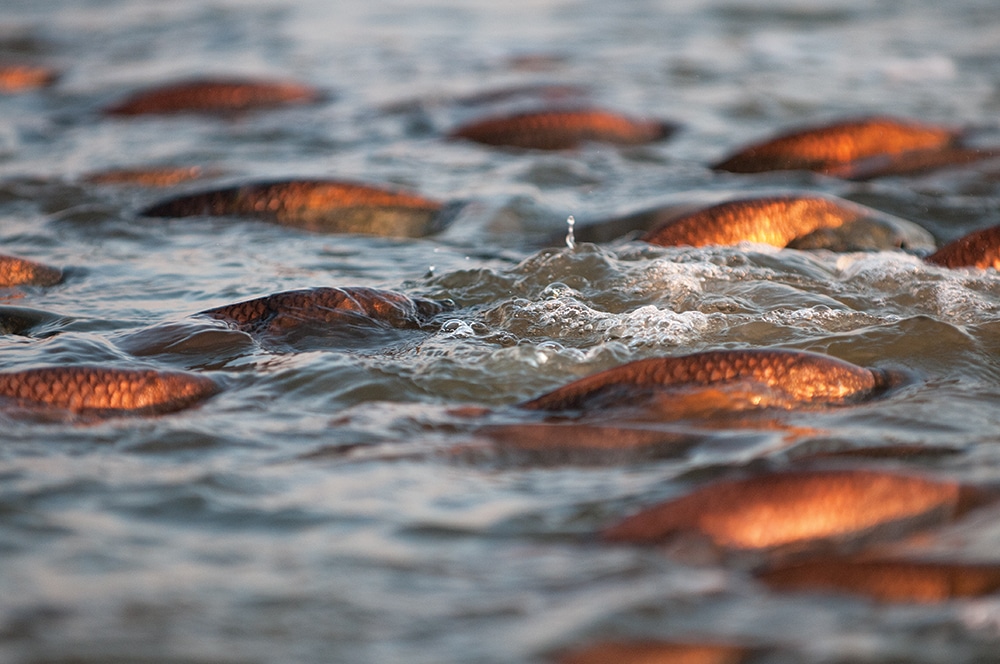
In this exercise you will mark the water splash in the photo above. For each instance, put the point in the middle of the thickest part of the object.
(570, 238)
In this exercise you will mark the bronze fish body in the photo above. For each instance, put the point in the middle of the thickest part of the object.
(786, 376)
(215, 96)
(280, 312)
(979, 249)
(327, 206)
(563, 129)
(92, 389)
(886, 579)
(798, 220)
(16, 271)
(22, 77)
(831, 147)
(799, 508)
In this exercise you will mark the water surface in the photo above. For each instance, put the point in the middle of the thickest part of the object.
(315, 510)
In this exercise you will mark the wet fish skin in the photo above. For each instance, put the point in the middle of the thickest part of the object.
(16, 271)
(563, 129)
(979, 249)
(798, 376)
(887, 579)
(328, 206)
(826, 148)
(797, 508)
(281, 311)
(90, 389)
(215, 95)
(775, 220)
(799, 221)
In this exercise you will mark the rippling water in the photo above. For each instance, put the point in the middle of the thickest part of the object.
(317, 509)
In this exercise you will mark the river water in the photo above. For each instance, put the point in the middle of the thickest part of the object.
(316, 510)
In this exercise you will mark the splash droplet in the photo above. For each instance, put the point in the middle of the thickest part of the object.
(570, 239)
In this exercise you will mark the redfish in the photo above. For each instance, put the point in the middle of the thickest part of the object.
(887, 579)
(979, 249)
(656, 652)
(811, 221)
(799, 508)
(912, 163)
(89, 389)
(164, 176)
(763, 377)
(830, 147)
(217, 96)
(283, 311)
(563, 129)
(16, 271)
(328, 206)
(21, 77)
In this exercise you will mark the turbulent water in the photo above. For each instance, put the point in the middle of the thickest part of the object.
(332, 503)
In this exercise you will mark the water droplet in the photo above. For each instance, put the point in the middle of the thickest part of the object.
(570, 239)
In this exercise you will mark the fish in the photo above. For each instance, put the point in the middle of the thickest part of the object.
(215, 96)
(656, 652)
(563, 129)
(886, 579)
(762, 377)
(912, 163)
(16, 271)
(105, 391)
(328, 206)
(154, 176)
(804, 221)
(21, 77)
(979, 249)
(548, 443)
(281, 312)
(829, 148)
(800, 508)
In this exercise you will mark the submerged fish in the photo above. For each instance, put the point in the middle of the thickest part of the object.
(799, 507)
(21, 77)
(656, 652)
(327, 206)
(90, 390)
(154, 176)
(575, 443)
(216, 95)
(887, 579)
(805, 221)
(829, 148)
(563, 129)
(762, 378)
(280, 312)
(16, 271)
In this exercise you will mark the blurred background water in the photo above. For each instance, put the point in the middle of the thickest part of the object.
(313, 511)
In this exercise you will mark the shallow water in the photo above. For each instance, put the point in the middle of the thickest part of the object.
(316, 510)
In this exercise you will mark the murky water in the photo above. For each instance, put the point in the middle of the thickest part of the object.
(316, 510)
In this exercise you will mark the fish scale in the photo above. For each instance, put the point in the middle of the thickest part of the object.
(800, 376)
(89, 388)
(825, 147)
